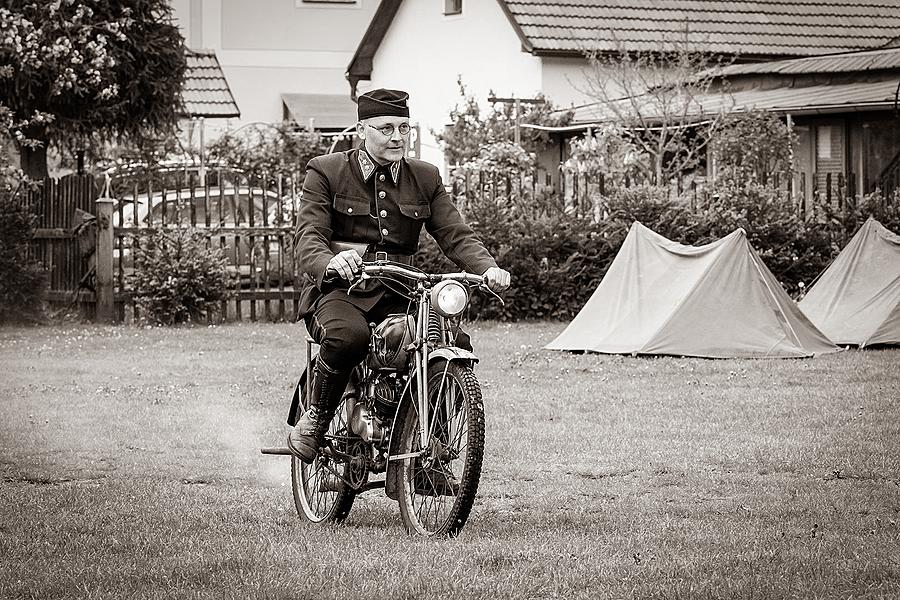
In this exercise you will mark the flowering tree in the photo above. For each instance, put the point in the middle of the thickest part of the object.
(470, 130)
(270, 149)
(753, 148)
(75, 72)
(608, 151)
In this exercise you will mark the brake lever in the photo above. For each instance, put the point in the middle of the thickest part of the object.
(362, 277)
(486, 288)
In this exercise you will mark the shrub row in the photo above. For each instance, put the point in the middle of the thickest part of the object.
(557, 260)
(23, 281)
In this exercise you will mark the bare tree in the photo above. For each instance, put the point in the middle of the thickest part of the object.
(668, 102)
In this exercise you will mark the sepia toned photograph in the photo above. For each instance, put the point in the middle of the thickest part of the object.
(467, 299)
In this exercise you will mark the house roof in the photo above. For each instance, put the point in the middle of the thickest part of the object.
(327, 111)
(751, 29)
(812, 99)
(884, 59)
(205, 90)
(361, 66)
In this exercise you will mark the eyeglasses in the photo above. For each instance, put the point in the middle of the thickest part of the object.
(388, 130)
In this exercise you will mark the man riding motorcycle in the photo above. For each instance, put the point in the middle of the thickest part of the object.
(368, 202)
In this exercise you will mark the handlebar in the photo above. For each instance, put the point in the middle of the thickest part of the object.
(377, 269)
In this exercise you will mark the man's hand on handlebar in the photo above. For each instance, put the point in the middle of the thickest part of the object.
(345, 264)
(348, 265)
(497, 279)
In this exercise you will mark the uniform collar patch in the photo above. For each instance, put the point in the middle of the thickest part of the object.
(368, 166)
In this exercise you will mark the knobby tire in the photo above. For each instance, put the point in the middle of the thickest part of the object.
(459, 428)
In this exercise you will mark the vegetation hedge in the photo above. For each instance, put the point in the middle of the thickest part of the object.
(179, 278)
(558, 259)
(23, 281)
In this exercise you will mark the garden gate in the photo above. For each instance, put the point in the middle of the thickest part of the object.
(64, 238)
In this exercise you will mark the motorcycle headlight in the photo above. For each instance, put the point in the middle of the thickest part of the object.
(449, 298)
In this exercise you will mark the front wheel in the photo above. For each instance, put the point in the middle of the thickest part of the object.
(438, 482)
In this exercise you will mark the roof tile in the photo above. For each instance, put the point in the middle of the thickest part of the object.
(761, 27)
(871, 60)
(205, 90)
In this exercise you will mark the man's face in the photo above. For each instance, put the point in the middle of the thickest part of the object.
(384, 148)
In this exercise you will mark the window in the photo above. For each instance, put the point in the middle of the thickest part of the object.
(328, 2)
(452, 7)
(823, 141)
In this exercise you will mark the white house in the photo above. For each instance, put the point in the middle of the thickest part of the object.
(517, 48)
(283, 59)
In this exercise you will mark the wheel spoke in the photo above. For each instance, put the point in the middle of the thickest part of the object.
(318, 491)
(460, 426)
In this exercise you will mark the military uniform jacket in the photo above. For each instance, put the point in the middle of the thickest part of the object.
(348, 197)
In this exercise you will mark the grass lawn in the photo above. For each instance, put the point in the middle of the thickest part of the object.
(129, 468)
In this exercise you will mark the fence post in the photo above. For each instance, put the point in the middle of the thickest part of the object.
(106, 308)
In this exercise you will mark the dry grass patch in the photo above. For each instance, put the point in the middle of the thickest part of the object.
(130, 468)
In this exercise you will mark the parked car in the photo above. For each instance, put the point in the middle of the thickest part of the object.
(229, 211)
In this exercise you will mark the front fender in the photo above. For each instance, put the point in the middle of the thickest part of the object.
(451, 353)
(448, 353)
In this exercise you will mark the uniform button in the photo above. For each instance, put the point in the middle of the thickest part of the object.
(384, 232)
(349, 209)
(416, 213)
(381, 194)
(383, 214)
(381, 177)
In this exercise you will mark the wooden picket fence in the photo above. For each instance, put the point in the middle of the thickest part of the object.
(585, 194)
(88, 234)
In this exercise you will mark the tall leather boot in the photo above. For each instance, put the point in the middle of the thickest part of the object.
(308, 434)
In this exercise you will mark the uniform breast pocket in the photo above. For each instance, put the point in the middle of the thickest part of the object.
(415, 215)
(352, 214)
(416, 211)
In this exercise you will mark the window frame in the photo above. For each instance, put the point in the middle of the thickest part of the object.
(327, 3)
(453, 8)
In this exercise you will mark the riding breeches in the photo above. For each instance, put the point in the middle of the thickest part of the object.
(342, 329)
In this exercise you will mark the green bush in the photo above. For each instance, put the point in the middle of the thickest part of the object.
(795, 250)
(178, 277)
(558, 259)
(269, 148)
(23, 281)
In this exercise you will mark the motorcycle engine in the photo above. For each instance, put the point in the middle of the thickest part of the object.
(390, 340)
(385, 398)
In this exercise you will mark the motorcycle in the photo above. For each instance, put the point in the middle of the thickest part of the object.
(412, 411)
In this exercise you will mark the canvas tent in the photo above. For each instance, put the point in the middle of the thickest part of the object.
(857, 299)
(717, 301)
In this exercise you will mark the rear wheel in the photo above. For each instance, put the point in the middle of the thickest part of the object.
(437, 487)
(321, 492)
